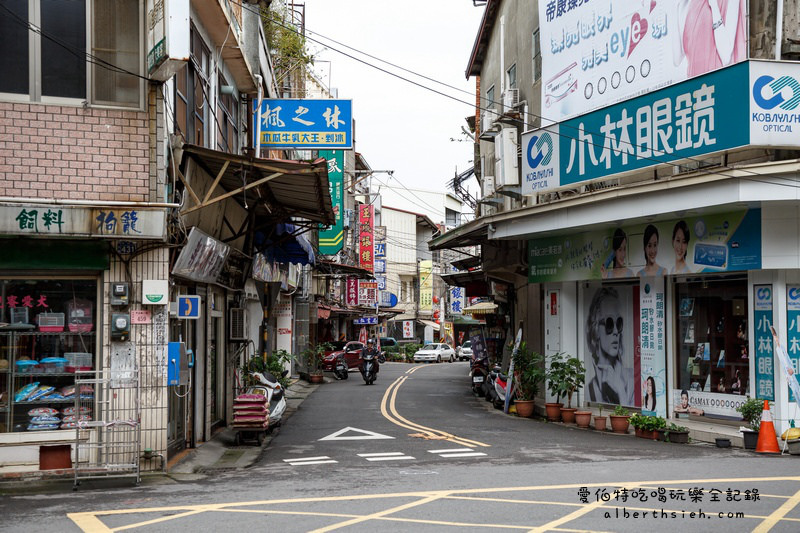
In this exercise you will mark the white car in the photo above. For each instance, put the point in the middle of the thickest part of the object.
(435, 352)
(464, 352)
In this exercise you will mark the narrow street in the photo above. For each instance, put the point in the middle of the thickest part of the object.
(417, 451)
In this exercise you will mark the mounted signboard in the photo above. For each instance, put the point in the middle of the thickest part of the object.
(306, 124)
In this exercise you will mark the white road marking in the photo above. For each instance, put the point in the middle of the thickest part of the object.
(300, 461)
(364, 435)
(464, 454)
(385, 456)
(451, 450)
(457, 452)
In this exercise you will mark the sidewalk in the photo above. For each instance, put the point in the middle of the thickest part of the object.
(221, 454)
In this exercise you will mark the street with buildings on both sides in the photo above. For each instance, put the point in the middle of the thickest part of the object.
(418, 451)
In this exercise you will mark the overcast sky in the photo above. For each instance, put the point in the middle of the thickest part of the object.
(400, 126)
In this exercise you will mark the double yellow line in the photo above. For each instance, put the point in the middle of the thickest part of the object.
(389, 411)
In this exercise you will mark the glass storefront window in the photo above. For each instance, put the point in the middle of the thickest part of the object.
(48, 330)
(712, 347)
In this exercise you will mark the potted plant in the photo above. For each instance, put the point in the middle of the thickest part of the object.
(675, 433)
(583, 418)
(620, 420)
(314, 357)
(751, 411)
(600, 420)
(647, 425)
(528, 374)
(565, 376)
(274, 363)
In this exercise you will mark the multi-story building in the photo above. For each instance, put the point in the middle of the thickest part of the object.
(644, 195)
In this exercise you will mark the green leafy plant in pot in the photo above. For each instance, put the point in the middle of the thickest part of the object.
(314, 357)
(528, 375)
(751, 411)
(273, 363)
(565, 376)
(620, 419)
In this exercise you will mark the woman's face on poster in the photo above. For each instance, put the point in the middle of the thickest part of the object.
(679, 244)
(610, 338)
(649, 387)
(620, 253)
(651, 250)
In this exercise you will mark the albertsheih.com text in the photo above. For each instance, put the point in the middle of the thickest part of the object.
(624, 513)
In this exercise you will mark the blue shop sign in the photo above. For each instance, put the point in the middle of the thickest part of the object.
(306, 124)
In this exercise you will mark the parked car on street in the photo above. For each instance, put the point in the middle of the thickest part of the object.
(464, 352)
(351, 351)
(435, 352)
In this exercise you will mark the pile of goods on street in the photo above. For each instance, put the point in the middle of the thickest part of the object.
(251, 411)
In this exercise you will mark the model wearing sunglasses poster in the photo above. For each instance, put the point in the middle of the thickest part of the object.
(610, 343)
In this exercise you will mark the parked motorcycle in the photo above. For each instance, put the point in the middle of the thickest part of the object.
(498, 385)
(479, 373)
(340, 368)
(272, 389)
(369, 368)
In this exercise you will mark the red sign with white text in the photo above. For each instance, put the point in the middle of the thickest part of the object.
(366, 237)
(352, 292)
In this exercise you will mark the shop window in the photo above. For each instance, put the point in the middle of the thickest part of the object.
(712, 346)
(227, 119)
(191, 94)
(49, 329)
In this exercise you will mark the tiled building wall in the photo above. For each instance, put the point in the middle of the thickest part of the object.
(51, 151)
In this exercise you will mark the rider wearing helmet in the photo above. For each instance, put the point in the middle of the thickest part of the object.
(370, 349)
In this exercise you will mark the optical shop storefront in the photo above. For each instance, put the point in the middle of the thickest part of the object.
(667, 312)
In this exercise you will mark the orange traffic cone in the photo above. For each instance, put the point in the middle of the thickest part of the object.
(767, 439)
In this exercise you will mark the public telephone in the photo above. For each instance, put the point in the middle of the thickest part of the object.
(179, 361)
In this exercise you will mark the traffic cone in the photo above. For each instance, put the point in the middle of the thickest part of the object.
(767, 439)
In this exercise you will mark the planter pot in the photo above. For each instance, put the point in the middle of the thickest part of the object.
(600, 423)
(750, 439)
(315, 378)
(619, 424)
(678, 437)
(661, 434)
(553, 411)
(568, 415)
(793, 445)
(583, 418)
(722, 442)
(649, 434)
(524, 408)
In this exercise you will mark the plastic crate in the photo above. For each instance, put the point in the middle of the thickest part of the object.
(78, 361)
(19, 315)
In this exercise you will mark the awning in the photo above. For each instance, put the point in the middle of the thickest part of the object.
(481, 308)
(434, 325)
(472, 233)
(341, 268)
(459, 279)
(286, 246)
(461, 320)
(275, 189)
(467, 263)
(404, 316)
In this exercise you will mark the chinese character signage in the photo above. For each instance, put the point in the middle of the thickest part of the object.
(652, 344)
(426, 285)
(718, 242)
(762, 315)
(331, 238)
(380, 266)
(380, 248)
(306, 124)
(351, 296)
(201, 258)
(793, 330)
(457, 298)
(605, 51)
(367, 292)
(366, 240)
(746, 104)
(408, 329)
(66, 221)
(381, 282)
(448, 337)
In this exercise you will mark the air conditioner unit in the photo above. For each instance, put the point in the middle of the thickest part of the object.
(510, 98)
(488, 119)
(237, 324)
(347, 219)
(506, 168)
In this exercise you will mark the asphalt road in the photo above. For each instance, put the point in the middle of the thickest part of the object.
(418, 452)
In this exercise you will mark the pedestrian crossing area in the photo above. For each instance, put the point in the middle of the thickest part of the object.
(447, 453)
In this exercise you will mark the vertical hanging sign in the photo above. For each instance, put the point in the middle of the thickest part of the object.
(653, 345)
(762, 316)
(366, 238)
(352, 292)
(331, 238)
(426, 285)
(793, 331)
(457, 297)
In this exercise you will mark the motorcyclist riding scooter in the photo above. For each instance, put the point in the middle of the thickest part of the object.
(369, 362)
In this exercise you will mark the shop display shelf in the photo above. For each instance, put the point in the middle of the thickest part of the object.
(43, 402)
(40, 374)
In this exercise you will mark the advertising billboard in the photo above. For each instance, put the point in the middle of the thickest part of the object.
(331, 238)
(305, 124)
(604, 51)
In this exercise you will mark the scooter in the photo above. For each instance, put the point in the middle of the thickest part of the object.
(340, 370)
(369, 368)
(479, 373)
(497, 393)
(272, 389)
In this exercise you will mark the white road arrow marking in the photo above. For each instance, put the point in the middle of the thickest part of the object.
(361, 434)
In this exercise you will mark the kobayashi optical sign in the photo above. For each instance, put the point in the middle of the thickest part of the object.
(755, 103)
